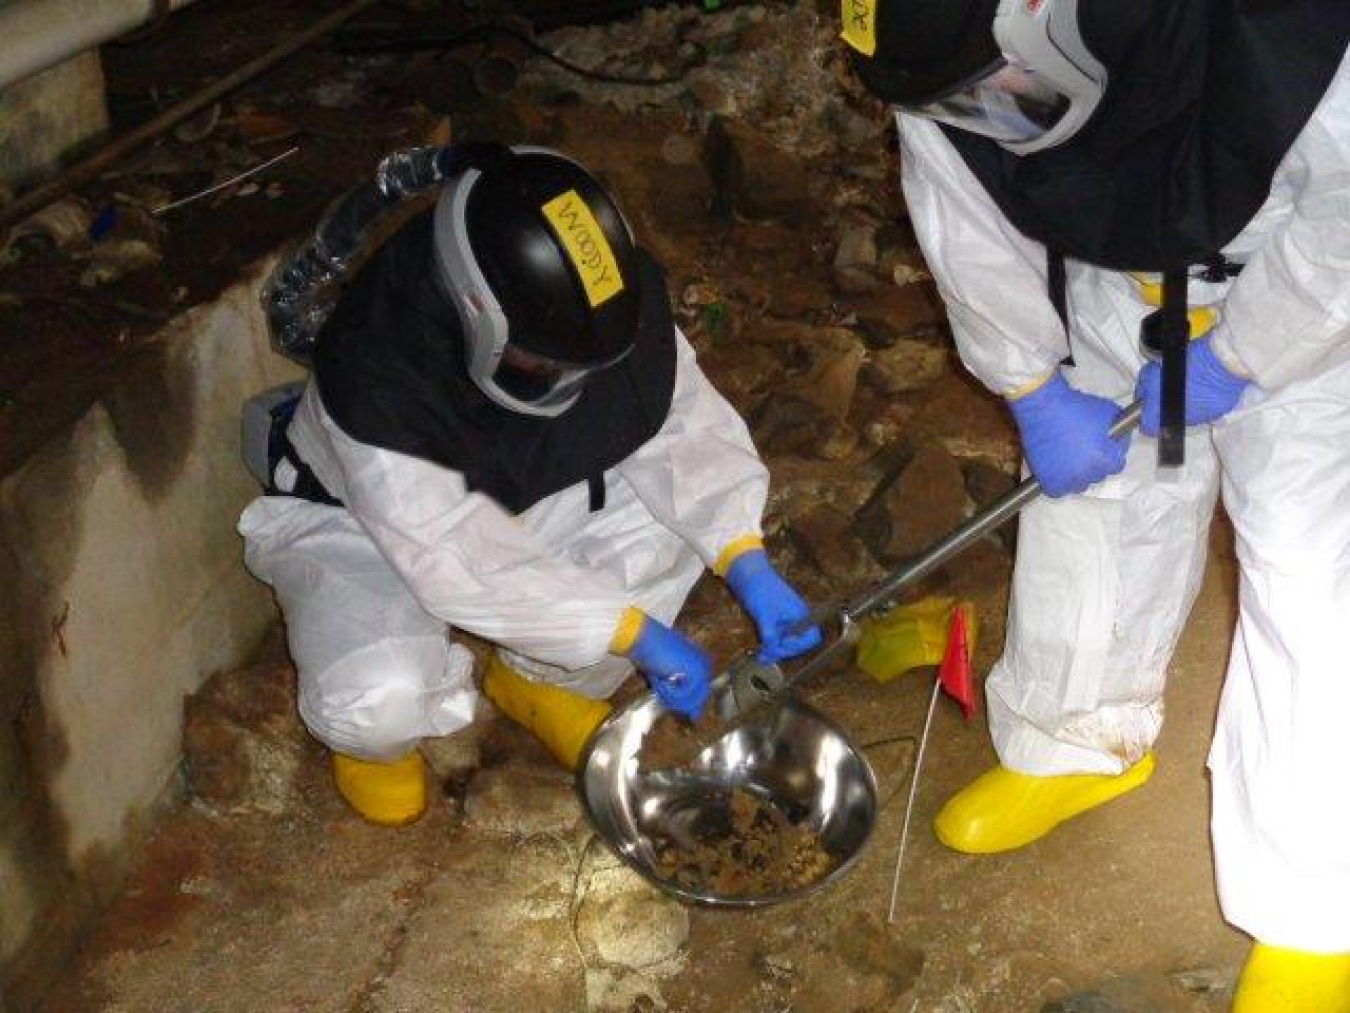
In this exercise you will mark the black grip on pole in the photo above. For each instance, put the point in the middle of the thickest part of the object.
(1175, 335)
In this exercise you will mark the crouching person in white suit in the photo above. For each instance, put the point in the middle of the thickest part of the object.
(504, 433)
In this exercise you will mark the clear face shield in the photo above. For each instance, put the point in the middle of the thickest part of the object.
(534, 383)
(1012, 106)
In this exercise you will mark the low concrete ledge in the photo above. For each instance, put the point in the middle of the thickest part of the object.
(121, 590)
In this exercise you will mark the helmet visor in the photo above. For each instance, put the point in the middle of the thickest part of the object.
(1009, 105)
(537, 381)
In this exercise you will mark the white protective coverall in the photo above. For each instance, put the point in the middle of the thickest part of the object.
(1104, 581)
(369, 591)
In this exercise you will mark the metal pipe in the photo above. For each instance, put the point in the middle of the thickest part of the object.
(82, 172)
(41, 33)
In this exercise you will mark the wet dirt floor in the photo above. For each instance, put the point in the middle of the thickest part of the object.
(764, 183)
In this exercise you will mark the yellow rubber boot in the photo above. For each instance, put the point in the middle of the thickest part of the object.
(1293, 981)
(390, 794)
(1003, 810)
(560, 719)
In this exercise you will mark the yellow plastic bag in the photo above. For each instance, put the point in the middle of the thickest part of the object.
(911, 636)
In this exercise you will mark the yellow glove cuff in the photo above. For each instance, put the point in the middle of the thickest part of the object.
(628, 630)
(1200, 318)
(1030, 388)
(733, 551)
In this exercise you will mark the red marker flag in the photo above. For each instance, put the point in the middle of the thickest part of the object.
(955, 674)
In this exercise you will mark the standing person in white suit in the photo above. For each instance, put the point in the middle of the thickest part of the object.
(1091, 182)
(504, 434)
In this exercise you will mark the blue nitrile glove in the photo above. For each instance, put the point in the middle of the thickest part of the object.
(675, 667)
(1064, 436)
(773, 606)
(1212, 389)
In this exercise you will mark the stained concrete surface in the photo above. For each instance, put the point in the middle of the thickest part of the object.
(47, 117)
(123, 592)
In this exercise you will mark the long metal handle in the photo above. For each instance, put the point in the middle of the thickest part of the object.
(749, 671)
(960, 538)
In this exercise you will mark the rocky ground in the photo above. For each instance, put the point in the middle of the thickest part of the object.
(766, 185)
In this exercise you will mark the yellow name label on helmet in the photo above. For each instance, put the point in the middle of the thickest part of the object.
(860, 25)
(586, 246)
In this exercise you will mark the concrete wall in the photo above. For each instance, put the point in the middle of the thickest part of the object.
(121, 590)
(45, 117)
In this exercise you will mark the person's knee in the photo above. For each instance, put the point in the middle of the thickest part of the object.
(373, 713)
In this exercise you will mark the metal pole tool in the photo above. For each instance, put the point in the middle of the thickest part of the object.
(756, 685)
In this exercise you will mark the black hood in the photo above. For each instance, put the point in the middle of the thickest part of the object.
(391, 371)
(1204, 98)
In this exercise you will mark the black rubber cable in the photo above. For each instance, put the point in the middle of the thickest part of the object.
(366, 42)
(591, 13)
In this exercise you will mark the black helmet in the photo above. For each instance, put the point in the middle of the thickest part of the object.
(542, 268)
(912, 51)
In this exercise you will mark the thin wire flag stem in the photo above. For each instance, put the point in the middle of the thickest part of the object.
(909, 806)
(229, 182)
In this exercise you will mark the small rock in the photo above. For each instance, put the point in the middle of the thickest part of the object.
(65, 223)
(830, 383)
(904, 366)
(1000, 452)
(840, 443)
(825, 536)
(113, 259)
(452, 757)
(904, 274)
(627, 923)
(701, 293)
(926, 500)
(1206, 980)
(856, 253)
(855, 280)
(887, 428)
(521, 799)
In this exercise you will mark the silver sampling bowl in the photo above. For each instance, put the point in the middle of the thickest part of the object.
(790, 757)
